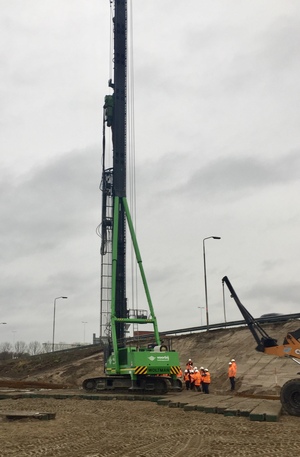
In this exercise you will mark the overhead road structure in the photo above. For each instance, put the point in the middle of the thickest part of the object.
(239, 323)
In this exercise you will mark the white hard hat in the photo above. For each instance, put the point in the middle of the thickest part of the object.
(205, 369)
(192, 371)
(195, 368)
(190, 360)
(201, 368)
(186, 371)
(230, 363)
(232, 360)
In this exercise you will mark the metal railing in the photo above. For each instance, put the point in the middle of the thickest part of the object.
(225, 325)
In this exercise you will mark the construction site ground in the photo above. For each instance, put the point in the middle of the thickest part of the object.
(177, 425)
(85, 428)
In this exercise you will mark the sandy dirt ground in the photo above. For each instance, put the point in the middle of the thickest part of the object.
(97, 428)
(85, 428)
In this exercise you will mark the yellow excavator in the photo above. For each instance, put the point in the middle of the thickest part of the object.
(290, 391)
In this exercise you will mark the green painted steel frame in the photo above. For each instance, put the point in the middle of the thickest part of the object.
(123, 201)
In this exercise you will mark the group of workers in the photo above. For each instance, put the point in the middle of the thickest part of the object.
(199, 379)
(195, 379)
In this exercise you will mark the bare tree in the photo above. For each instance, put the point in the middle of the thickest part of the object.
(6, 351)
(35, 347)
(20, 348)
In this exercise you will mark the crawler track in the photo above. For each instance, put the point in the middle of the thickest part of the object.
(145, 385)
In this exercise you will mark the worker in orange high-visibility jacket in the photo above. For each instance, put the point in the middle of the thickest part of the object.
(192, 385)
(206, 381)
(202, 377)
(189, 365)
(231, 375)
(187, 379)
(192, 375)
(197, 379)
(233, 362)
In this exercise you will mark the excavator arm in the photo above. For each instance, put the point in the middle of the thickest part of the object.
(265, 343)
(261, 337)
(290, 391)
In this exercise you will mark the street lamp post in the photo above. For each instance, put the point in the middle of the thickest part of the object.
(224, 309)
(53, 334)
(205, 279)
(83, 322)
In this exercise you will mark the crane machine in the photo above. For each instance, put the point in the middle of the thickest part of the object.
(290, 391)
(153, 367)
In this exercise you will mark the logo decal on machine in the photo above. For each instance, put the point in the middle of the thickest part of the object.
(163, 358)
(159, 358)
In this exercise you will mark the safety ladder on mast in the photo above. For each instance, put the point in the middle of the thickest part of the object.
(106, 257)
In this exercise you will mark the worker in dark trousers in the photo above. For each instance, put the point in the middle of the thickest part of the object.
(234, 365)
(202, 377)
(192, 380)
(206, 381)
(187, 379)
(231, 375)
(197, 379)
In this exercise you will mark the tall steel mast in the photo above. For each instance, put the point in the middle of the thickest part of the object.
(119, 152)
(115, 211)
(113, 183)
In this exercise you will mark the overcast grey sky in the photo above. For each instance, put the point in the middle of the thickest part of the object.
(217, 109)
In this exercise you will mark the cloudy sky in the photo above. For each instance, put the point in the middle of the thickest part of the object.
(216, 108)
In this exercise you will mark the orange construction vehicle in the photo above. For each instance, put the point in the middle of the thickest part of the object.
(290, 391)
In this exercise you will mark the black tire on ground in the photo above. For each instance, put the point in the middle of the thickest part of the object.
(89, 384)
(160, 386)
(178, 384)
(290, 397)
